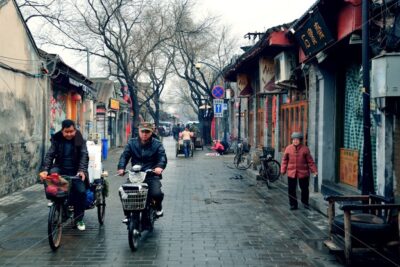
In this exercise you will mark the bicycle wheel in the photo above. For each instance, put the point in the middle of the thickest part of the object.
(101, 207)
(54, 225)
(242, 161)
(132, 236)
(264, 176)
(273, 170)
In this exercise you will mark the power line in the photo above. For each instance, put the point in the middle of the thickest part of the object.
(31, 75)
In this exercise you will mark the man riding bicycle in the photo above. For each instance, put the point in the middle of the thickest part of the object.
(68, 155)
(150, 154)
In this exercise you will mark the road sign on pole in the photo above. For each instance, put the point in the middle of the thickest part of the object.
(218, 91)
(218, 108)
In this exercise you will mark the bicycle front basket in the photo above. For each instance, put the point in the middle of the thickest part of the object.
(133, 198)
(246, 147)
(56, 187)
(268, 151)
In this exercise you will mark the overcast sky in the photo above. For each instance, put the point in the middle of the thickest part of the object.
(242, 16)
(254, 15)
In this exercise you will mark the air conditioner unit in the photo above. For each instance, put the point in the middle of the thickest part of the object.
(385, 80)
(284, 64)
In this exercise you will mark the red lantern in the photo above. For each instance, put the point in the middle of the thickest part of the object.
(76, 97)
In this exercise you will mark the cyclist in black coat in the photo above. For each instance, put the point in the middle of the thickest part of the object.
(150, 154)
(68, 155)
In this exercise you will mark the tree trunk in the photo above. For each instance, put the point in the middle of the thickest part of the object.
(157, 109)
(205, 126)
(135, 110)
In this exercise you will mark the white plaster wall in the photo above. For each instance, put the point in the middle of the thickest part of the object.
(23, 105)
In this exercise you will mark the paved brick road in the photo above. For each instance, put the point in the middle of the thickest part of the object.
(212, 218)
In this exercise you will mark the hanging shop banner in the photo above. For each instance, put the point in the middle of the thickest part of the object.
(242, 81)
(313, 35)
(349, 166)
(114, 104)
(267, 76)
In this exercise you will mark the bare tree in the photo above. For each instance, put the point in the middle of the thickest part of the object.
(195, 42)
(158, 69)
(122, 32)
(47, 10)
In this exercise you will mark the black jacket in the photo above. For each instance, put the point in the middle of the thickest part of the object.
(150, 155)
(54, 156)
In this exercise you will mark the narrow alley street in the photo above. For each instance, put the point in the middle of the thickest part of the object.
(214, 216)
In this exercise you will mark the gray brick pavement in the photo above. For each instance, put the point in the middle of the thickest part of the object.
(211, 219)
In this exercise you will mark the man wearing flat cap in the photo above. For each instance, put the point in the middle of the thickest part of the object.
(150, 154)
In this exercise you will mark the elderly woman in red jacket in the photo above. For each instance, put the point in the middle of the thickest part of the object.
(298, 163)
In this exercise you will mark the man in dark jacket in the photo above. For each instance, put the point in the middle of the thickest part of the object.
(68, 155)
(150, 154)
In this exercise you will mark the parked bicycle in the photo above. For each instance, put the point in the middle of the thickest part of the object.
(270, 168)
(57, 191)
(242, 159)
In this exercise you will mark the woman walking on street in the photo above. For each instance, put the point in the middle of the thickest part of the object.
(298, 162)
(186, 136)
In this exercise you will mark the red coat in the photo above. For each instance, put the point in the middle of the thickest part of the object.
(297, 162)
(218, 146)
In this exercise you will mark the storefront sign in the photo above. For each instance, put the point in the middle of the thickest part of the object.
(242, 81)
(114, 104)
(349, 166)
(313, 35)
(267, 76)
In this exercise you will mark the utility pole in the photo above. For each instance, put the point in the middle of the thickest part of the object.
(87, 62)
(367, 183)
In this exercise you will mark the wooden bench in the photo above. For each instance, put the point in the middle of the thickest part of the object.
(368, 221)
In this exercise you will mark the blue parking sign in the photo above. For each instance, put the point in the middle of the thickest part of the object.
(218, 107)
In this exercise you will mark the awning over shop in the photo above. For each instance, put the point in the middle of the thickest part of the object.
(65, 78)
(272, 89)
(270, 44)
(270, 86)
(247, 91)
(104, 87)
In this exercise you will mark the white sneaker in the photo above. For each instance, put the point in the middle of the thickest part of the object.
(160, 213)
(125, 220)
(81, 226)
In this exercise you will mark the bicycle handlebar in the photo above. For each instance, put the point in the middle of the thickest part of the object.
(125, 172)
(72, 177)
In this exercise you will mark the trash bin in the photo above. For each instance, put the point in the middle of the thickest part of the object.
(104, 148)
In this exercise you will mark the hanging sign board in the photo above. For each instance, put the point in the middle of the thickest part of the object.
(349, 166)
(313, 35)
(114, 104)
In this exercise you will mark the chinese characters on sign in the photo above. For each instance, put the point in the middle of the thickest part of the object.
(314, 35)
(349, 167)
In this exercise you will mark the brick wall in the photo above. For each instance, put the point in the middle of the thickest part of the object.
(19, 165)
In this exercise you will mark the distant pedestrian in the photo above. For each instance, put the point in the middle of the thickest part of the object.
(298, 162)
(175, 131)
(218, 147)
(186, 137)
